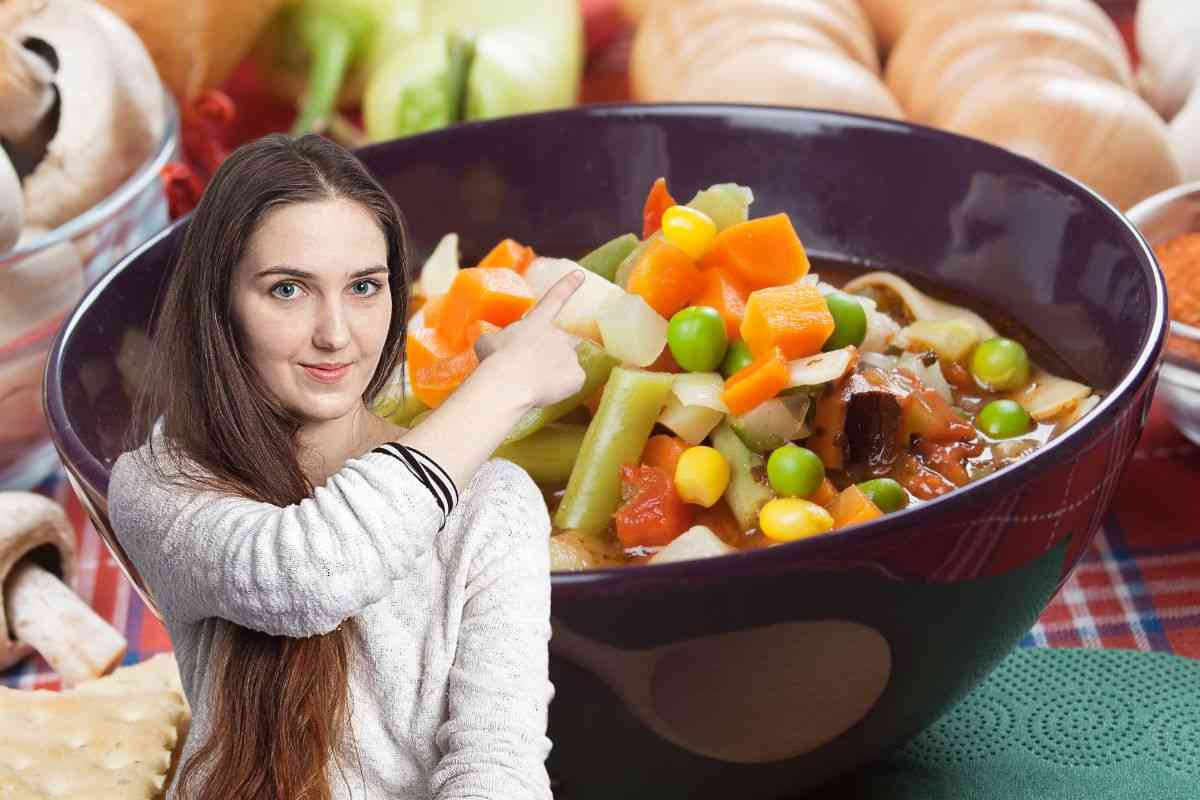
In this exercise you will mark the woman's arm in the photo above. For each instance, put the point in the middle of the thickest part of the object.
(294, 571)
(494, 742)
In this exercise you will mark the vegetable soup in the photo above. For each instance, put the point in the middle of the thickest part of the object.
(737, 394)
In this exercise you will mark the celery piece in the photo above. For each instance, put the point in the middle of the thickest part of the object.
(548, 455)
(605, 259)
(726, 204)
(418, 87)
(631, 402)
(596, 364)
(746, 494)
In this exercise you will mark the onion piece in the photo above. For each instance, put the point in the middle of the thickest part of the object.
(631, 330)
(440, 268)
(698, 541)
(1047, 395)
(821, 368)
(700, 389)
(690, 423)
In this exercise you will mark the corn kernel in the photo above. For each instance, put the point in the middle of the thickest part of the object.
(701, 475)
(689, 229)
(786, 519)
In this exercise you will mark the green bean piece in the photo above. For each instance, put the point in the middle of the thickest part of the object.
(746, 494)
(629, 406)
(605, 259)
(548, 455)
(596, 364)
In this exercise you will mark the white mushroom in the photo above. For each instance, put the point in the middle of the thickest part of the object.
(39, 611)
(82, 105)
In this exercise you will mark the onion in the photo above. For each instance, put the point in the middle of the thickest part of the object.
(982, 45)
(1168, 41)
(700, 389)
(890, 18)
(1093, 130)
(821, 368)
(935, 18)
(802, 52)
(1184, 135)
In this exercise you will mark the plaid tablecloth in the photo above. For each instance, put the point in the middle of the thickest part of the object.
(1138, 587)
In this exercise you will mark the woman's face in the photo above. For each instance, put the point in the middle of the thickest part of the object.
(311, 302)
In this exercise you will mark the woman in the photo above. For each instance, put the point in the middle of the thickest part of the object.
(347, 624)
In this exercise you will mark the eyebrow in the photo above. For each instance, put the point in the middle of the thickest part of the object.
(292, 272)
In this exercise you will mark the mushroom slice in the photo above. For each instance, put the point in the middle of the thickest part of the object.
(1048, 396)
(917, 304)
(12, 206)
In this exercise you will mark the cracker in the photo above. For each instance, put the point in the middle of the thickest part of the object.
(114, 738)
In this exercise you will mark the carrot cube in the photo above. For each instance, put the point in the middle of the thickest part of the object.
(723, 292)
(760, 252)
(509, 254)
(757, 382)
(495, 294)
(851, 507)
(433, 383)
(794, 318)
(665, 277)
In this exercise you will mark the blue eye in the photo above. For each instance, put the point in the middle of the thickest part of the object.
(285, 290)
(366, 288)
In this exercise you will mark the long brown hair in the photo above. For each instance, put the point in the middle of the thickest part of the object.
(279, 706)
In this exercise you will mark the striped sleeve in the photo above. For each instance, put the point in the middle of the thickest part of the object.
(428, 472)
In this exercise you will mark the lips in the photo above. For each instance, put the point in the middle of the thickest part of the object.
(327, 373)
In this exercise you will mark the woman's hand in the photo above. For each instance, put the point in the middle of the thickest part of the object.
(538, 357)
(528, 364)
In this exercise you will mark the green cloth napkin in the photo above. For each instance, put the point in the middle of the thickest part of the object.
(1058, 725)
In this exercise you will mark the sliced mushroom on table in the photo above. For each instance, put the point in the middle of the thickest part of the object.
(39, 610)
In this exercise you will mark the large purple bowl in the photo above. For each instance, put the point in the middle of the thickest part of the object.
(764, 673)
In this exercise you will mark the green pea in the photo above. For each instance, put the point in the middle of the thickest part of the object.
(795, 471)
(849, 321)
(885, 493)
(696, 336)
(1004, 419)
(737, 358)
(1000, 364)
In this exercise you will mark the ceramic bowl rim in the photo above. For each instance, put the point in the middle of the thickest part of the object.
(573, 583)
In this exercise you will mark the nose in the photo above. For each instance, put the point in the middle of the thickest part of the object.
(331, 329)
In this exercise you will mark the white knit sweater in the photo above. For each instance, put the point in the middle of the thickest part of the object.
(450, 690)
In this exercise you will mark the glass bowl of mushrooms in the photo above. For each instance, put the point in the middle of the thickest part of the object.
(85, 128)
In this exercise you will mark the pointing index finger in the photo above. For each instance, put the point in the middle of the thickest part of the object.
(558, 294)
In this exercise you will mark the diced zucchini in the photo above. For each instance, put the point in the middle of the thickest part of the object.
(746, 494)
(726, 204)
(772, 424)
